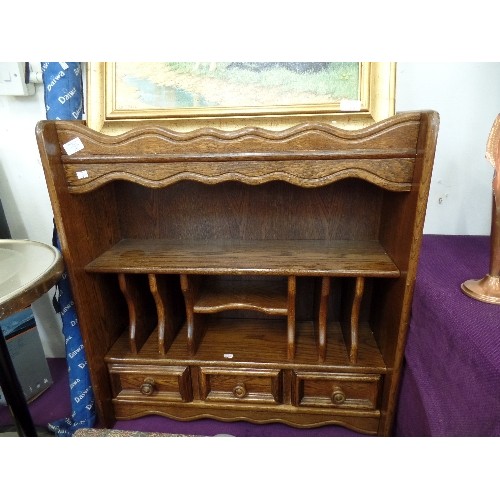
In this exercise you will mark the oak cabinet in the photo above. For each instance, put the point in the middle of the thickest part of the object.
(247, 274)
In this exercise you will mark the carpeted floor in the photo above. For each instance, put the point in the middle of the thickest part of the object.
(116, 433)
(55, 404)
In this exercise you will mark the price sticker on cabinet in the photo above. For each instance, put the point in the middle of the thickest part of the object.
(73, 146)
(82, 174)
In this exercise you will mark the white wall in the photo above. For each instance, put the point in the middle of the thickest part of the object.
(467, 96)
(24, 195)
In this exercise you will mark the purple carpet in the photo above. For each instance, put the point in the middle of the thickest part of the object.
(52, 404)
(451, 381)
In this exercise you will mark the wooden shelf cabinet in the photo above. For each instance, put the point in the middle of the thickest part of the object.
(248, 274)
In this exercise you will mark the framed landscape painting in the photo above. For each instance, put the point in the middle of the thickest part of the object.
(186, 95)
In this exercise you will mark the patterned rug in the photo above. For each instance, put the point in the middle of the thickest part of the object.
(118, 433)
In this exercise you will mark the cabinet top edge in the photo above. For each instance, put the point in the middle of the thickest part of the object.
(145, 128)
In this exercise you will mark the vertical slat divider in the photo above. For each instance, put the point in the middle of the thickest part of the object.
(350, 327)
(163, 289)
(190, 286)
(322, 317)
(292, 292)
(141, 309)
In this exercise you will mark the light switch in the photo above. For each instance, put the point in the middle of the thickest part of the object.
(12, 79)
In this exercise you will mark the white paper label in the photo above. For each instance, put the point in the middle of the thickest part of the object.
(73, 146)
(228, 356)
(82, 174)
(350, 105)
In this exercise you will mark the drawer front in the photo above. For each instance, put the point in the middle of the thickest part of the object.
(166, 383)
(335, 390)
(241, 385)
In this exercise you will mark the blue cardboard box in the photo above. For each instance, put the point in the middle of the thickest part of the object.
(26, 352)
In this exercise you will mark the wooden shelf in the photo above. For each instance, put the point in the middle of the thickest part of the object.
(257, 342)
(259, 257)
(268, 297)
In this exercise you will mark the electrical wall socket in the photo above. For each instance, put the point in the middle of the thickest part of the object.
(12, 79)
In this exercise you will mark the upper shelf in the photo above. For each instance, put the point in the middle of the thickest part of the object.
(259, 257)
(307, 155)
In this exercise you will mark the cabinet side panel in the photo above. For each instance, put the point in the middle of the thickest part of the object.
(86, 225)
(401, 235)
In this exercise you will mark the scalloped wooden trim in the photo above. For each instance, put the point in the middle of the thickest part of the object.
(306, 155)
(96, 180)
(145, 132)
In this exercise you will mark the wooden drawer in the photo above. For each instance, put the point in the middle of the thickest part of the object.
(166, 383)
(241, 385)
(335, 390)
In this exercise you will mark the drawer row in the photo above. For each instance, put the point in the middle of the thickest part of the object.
(260, 386)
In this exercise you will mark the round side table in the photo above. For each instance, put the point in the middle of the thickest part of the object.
(28, 269)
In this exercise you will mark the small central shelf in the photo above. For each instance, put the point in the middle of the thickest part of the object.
(267, 297)
(259, 257)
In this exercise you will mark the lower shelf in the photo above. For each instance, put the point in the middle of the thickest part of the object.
(253, 342)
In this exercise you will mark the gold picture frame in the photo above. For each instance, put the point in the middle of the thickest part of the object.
(106, 113)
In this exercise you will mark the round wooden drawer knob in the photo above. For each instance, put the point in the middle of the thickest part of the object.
(148, 387)
(338, 396)
(240, 391)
